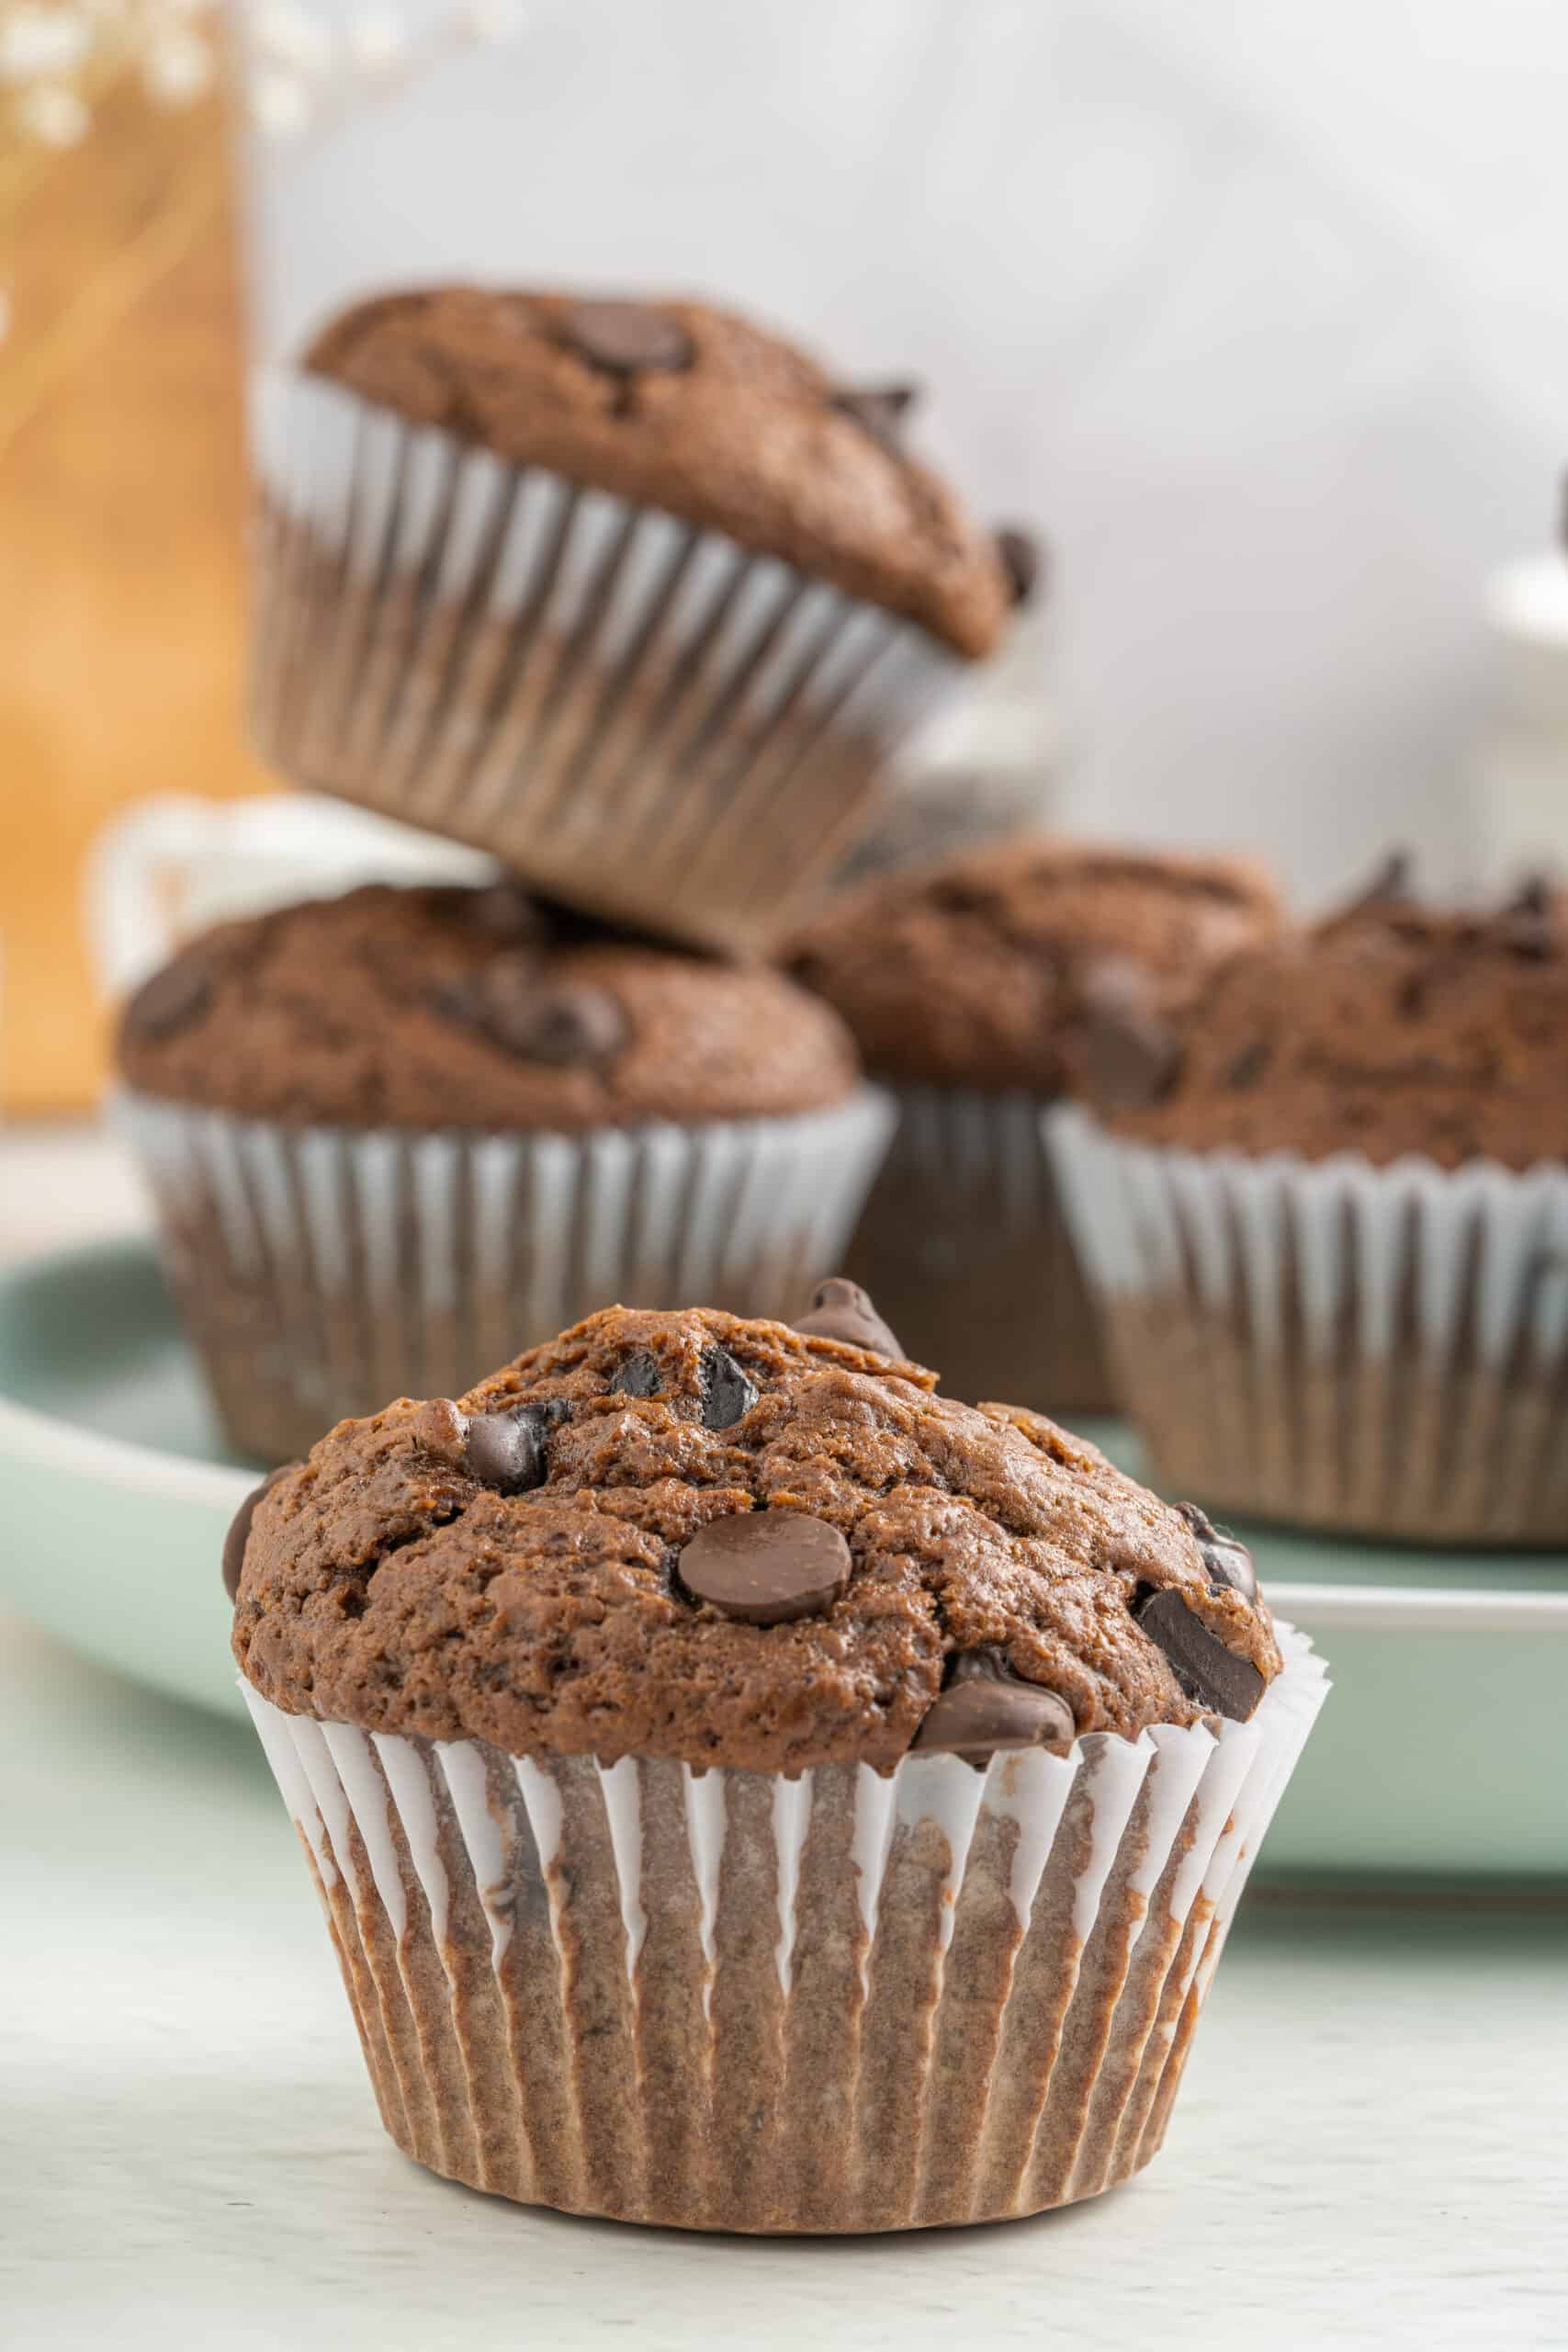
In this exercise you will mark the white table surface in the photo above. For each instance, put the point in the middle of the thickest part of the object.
(1371, 2148)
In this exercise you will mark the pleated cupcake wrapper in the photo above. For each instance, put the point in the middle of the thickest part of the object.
(964, 1247)
(1382, 1349)
(324, 1271)
(638, 716)
(738, 2001)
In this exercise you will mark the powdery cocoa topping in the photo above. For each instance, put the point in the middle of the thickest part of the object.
(476, 1009)
(508, 1565)
(1390, 1028)
(676, 405)
(982, 971)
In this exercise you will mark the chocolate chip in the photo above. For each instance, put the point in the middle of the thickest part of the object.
(1249, 1065)
(1021, 560)
(639, 1375)
(766, 1566)
(1526, 934)
(842, 1310)
(1528, 924)
(1533, 897)
(728, 1395)
(956, 896)
(1393, 884)
(985, 1706)
(561, 1024)
(170, 1001)
(1128, 1054)
(626, 337)
(506, 1450)
(1214, 1676)
(879, 410)
(238, 1533)
(1229, 1564)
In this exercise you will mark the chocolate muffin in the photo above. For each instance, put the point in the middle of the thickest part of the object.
(396, 1135)
(974, 990)
(749, 1790)
(1340, 1298)
(633, 593)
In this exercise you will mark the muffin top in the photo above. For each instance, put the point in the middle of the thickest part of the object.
(980, 971)
(1390, 1028)
(675, 405)
(735, 1543)
(471, 1008)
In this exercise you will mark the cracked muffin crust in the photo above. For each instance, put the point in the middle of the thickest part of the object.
(507, 1566)
(677, 405)
(1389, 1028)
(437, 1007)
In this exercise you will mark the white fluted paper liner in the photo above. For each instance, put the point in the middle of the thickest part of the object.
(324, 1271)
(963, 1245)
(1382, 1349)
(734, 2000)
(640, 716)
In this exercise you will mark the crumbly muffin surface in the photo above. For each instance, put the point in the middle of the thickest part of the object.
(508, 1565)
(1390, 1028)
(979, 971)
(472, 1009)
(677, 405)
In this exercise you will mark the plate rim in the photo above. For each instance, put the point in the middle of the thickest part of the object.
(174, 1478)
(101, 1457)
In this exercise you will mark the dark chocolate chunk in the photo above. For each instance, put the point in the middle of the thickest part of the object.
(1248, 1066)
(1529, 930)
(1021, 560)
(626, 337)
(985, 1706)
(1212, 1675)
(170, 1001)
(1127, 1052)
(879, 410)
(1228, 1562)
(957, 896)
(238, 1533)
(639, 1375)
(1391, 885)
(561, 1024)
(842, 1310)
(506, 1450)
(766, 1566)
(728, 1395)
(1533, 897)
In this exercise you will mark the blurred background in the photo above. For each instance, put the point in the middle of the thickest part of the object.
(1254, 312)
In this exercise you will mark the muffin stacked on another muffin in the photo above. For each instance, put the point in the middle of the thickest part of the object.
(1329, 1228)
(971, 987)
(635, 594)
(397, 1135)
(750, 1791)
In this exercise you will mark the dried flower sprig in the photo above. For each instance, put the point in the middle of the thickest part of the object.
(59, 57)
(304, 77)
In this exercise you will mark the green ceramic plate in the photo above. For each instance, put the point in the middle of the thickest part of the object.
(1443, 1748)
